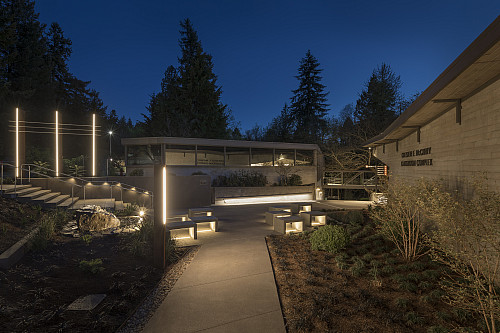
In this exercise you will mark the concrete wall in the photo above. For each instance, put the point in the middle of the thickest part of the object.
(309, 174)
(234, 192)
(457, 151)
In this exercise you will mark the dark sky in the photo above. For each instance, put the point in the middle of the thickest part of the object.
(124, 47)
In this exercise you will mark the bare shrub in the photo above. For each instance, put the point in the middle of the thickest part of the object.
(467, 240)
(401, 219)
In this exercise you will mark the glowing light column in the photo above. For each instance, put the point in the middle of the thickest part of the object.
(57, 145)
(93, 145)
(17, 142)
(164, 194)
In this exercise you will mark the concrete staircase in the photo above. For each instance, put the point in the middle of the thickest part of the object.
(49, 199)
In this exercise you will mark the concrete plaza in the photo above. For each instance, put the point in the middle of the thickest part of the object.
(229, 286)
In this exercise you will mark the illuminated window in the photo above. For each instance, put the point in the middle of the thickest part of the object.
(180, 155)
(262, 157)
(304, 157)
(284, 157)
(144, 154)
(237, 156)
(210, 155)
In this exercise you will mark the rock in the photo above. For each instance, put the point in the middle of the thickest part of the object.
(94, 218)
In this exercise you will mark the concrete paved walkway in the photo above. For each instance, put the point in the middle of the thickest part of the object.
(229, 286)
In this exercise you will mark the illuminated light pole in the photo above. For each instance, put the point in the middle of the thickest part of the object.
(17, 142)
(57, 145)
(93, 145)
(109, 160)
(164, 194)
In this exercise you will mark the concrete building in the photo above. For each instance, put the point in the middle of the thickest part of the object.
(452, 130)
(185, 156)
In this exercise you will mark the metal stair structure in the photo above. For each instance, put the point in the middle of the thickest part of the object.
(26, 192)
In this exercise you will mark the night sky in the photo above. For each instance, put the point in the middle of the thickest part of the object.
(124, 47)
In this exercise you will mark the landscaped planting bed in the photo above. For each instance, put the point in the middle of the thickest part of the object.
(365, 287)
(35, 293)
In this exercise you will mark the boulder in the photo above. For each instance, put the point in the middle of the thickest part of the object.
(94, 218)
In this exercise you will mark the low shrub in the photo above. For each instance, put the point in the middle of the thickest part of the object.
(137, 172)
(93, 266)
(240, 179)
(331, 238)
(355, 217)
(412, 318)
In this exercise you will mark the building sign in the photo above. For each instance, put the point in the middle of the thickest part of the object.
(417, 152)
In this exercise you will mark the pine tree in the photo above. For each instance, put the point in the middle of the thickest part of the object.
(281, 127)
(377, 105)
(308, 108)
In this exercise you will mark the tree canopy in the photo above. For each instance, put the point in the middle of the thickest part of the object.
(189, 102)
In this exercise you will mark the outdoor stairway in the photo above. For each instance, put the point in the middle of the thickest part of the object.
(49, 199)
(37, 195)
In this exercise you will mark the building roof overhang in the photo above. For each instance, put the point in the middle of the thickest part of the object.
(217, 143)
(475, 68)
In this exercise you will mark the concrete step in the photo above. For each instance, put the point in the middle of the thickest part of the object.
(68, 203)
(25, 191)
(49, 196)
(33, 195)
(57, 200)
(12, 188)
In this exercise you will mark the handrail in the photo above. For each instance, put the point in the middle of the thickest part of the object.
(348, 177)
(85, 181)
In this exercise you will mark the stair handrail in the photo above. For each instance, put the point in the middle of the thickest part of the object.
(41, 174)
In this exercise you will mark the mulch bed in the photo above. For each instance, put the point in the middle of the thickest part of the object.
(318, 296)
(35, 293)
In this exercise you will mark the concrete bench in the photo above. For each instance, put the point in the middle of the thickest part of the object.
(214, 221)
(193, 230)
(270, 216)
(205, 211)
(299, 207)
(280, 207)
(313, 218)
(288, 224)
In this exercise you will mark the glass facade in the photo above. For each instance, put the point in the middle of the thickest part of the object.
(304, 157)
(210, 155)
(191, 155)
(284, 157)
(262, 157)
(237, 156)
(180, 155)
(144, 154)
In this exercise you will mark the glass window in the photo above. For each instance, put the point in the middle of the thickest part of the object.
(262, 157)
(210, 155)
(180, 155)
(237, 156)
(143, 154)
(284, 157)
(305, 157)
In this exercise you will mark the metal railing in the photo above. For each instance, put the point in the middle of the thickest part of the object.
(75, 182)
(350, 177)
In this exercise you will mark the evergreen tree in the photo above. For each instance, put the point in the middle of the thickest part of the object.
(188, 104)
(377, 105)
(308, 108)
(281, 127)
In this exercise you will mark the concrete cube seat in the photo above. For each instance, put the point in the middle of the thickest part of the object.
(270, 216)
(313, 218)
(280, 207)
(214, 221)
(288, 224)
(203, 211)
(299, 207)
(193, 230)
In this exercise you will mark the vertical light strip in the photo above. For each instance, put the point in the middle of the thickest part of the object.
(93, 145)
(57, 146)
(17, 142)
(164, 197)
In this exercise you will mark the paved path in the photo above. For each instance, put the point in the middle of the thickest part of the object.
(229, 286)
